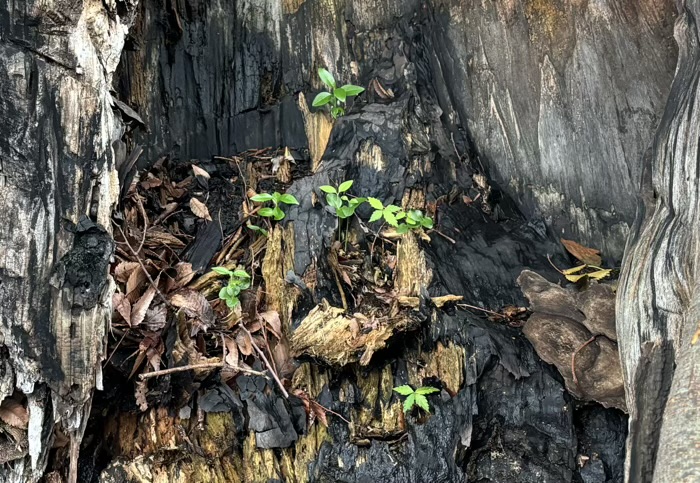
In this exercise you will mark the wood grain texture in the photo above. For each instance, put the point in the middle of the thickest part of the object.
(56, 165)
(658, 310)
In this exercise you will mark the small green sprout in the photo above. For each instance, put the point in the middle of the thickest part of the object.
(416, 398)
(238, 281)
(335, 96)
(392, 214)
(342, 204)
(277, 199)
(257, 229)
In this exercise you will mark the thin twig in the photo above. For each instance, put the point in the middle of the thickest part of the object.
(267, 363)
(474, 307)
(332, 412)
(117, 347)
(208, 365)
(573, 358)
(451, 240)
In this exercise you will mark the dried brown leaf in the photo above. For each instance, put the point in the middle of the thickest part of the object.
(122, 305)
(139, 309)
(123, 270)
(200, 172)
(243, 342)
(589, 256)
(195, 305)
(231, 352)
(156, 317)
(199, 209)
(272, 319)
(135, 280)
(14, 414)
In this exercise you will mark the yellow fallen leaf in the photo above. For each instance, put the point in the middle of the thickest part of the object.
(600, 274)
(575, 278)
(570, 271)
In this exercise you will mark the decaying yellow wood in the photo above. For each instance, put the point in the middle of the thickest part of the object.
(370, 155)
(327, 333)
(412, 272)
(445, 363)
(317, 125)
(377, 416)
(279, 259)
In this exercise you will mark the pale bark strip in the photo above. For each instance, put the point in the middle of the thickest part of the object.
(657, 310)
(56, 165)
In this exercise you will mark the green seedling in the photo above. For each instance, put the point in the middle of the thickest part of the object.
(335, 96)
(416, 398)
(277, 199)
(257, 229)
(238, 280)
(393, 215)
(341, 204)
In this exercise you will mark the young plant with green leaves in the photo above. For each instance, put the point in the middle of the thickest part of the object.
(341, 203)
(335, 96)
(258, 229)
(416, 398)
(277, 199)
(393, 215)
(238, 280)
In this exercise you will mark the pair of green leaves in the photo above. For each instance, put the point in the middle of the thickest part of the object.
(335, 96)
(415, 398)
(343, 205)
(392, 214)
(275, 212)
(238, 281)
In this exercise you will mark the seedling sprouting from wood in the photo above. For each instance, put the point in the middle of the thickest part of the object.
(238, 281)
(393, 215)
(415, 398)
(340, 203)
(257, 229)
(277, 199)
(335, 96)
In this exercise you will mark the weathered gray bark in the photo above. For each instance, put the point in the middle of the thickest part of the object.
(658, 310)
(56, 165)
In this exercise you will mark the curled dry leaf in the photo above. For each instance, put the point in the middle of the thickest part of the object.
(589, 256)
(243, 342)
(139, 309)
(156, 317)
(195, 305)
(272, 319)
(14, 414)
(199, 209)
(200, 172)
(122, 305)
(135, 280)
(231, 352)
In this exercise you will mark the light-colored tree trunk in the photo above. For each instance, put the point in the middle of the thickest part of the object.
(56, 166)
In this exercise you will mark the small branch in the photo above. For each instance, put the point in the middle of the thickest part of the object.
(267, 363)
(473, 307)
(451, 240)
(573, 359)
(208, 365)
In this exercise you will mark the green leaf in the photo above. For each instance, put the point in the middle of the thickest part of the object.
(345, 212)
(322, 98)
(345, 185)
(357, 201)
(375, 203)
(326, 77)
(336, 112)
(408, 403)
(427, 222)
(258, 229)
(392, 209)
(422, 402)
(334, 200)
(390, 218)
(377, 215)
(414, 215)
(232, 303)
(404, 390)
(261, 198)
(400, 215)
(232, 291)
(241, 274)
(402, 229)
(352, 90)
(344, 198)
(277, 213)
(221, 270)
(339, 94)
(288, 199)
(427, 390)
(243, 285)
(328, 189)
(267, 212)
(223, 293)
